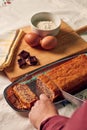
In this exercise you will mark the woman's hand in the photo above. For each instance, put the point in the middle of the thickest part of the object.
(42, 109)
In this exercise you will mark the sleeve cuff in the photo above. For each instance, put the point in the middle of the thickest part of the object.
(55, 122)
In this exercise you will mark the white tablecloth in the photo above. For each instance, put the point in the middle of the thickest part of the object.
(18, 14)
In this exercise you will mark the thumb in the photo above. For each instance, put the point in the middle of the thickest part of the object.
(43, 97)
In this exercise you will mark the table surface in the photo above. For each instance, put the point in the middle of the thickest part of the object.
(13, 16)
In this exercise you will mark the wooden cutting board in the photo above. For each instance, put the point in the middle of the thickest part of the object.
(69, 43)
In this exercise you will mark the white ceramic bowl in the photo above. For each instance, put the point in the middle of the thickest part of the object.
(45, 17)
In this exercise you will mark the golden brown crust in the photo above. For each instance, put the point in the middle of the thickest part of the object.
(71, 73)
(68, 75)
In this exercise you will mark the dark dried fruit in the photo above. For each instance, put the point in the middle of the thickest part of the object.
(24, 54)
(22, 63)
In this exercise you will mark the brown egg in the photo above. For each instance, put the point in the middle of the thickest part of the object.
(32, 39)
(48, 42)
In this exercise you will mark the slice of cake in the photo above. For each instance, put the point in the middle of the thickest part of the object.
(46, 86)
(24, 95)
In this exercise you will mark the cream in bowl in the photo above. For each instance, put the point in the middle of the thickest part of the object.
(45, 23)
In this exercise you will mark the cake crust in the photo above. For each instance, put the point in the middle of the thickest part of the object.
(69, 76)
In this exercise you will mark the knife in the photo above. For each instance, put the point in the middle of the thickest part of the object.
(71, 98)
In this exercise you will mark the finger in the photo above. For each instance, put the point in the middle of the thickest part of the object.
(43, 97)
(37, 103)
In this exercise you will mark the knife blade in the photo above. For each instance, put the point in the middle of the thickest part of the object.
(71, 98)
